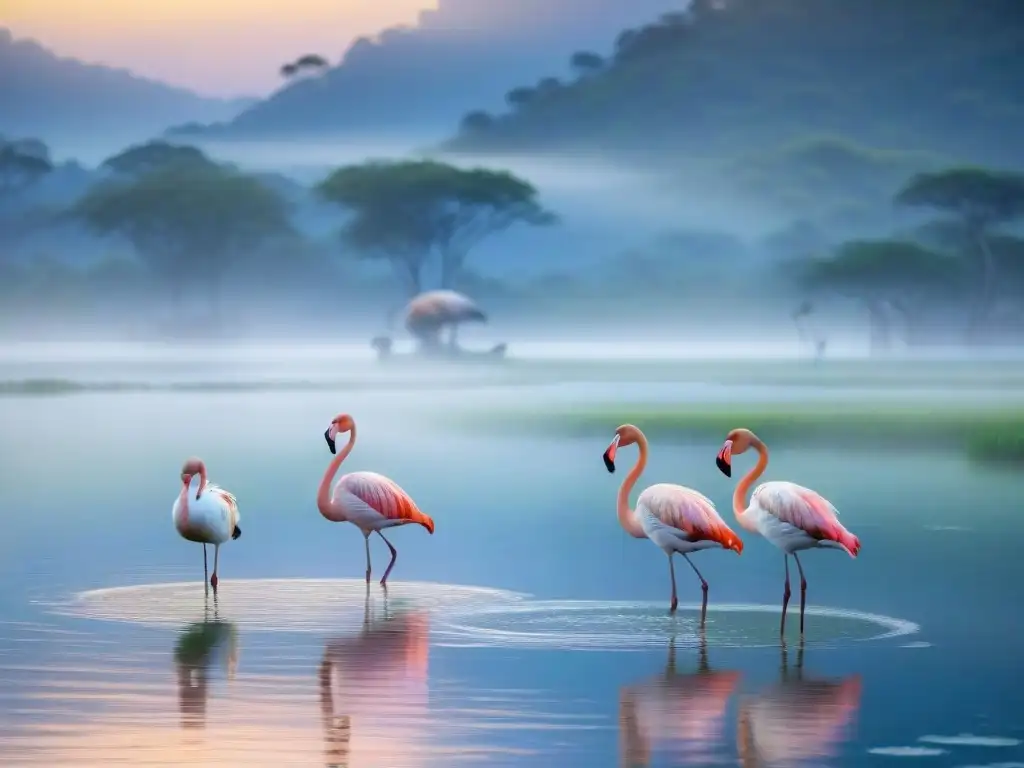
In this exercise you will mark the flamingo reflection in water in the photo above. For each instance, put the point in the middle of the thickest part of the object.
(375, 683)
(683, 712)
(194, 653)
(796, 720)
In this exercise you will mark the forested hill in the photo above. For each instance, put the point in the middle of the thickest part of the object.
(945, 76)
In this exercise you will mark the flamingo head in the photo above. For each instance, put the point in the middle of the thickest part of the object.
(341, 424)
(192, 466)
(624, 435)
(736, 442)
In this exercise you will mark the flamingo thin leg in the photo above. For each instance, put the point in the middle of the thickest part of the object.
(216, 557)
(394, 556)
(367, 538)
(785, 598)
(672, 573)
(803, 592)
(206, 569)
(704, 587)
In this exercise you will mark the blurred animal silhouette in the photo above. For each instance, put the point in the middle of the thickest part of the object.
(205, 513)
(683, 712)
(791, 517)
(369, 501)
(797, 719)
(675, 518)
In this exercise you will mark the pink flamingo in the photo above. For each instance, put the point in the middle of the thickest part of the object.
(798, 719)
(791, 517)
(675, 518)
(370, 501)
(211, 517)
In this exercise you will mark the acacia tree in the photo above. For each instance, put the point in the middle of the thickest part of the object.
(407, 211)
(21, 165)
(190, 225)
(885, 275)
(154, 155)
(979, 201)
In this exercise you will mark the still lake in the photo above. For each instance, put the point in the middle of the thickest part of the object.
(529, 630)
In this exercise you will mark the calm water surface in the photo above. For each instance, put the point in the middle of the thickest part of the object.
(529, 630)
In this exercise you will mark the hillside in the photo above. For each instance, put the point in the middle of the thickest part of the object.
(422, 78)
(61, 100)
(742, 75)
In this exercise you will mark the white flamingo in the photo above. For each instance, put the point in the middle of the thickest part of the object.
(205, 513)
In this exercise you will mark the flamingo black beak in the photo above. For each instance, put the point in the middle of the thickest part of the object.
(330, 440)
(609, 455)
(724, 459)
(236, 533)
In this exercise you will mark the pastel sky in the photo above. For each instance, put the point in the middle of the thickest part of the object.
(217, 47)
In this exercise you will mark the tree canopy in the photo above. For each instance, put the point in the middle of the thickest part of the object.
(154, 155)
(22, 164)
(194, 221)
(408, 210)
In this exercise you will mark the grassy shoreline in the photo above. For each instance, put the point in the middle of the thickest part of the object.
(983, 433)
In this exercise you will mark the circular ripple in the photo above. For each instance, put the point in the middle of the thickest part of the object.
(282, 605)
(587, 625)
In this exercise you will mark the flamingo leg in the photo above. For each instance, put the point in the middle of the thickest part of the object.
(216, 557)
(366, 536)
(704, 587)
(206, 569)
(803, 592)
(672, 573)
(785, 598)
(394, 556)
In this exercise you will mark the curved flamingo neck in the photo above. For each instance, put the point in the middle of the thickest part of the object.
(626, 518)
(182, 521)
(739, 496)
(324, 502)
(202, 480)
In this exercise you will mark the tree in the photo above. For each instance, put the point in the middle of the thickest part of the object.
(586, 63)
(310, 62)
(21, 165)
(408, 210)
(886, 276)
(518, 98)
(154, 155)
(476, 121)
(189, 224)
(980, 200)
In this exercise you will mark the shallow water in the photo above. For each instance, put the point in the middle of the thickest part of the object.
(559, 651)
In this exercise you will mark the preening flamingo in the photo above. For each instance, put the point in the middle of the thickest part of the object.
(675, 518)
(797, 719)
(684, 712)
(791, 517)
(205, 513)
(370, 501)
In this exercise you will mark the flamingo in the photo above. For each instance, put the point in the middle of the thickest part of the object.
(797, 719)
(675, 518)
(685, 710)
(791, 517)
(208, 516)
(371, 501)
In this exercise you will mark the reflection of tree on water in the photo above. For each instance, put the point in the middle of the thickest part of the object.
(797, 719)
(194, 653)
(369, 678)
(685, 710)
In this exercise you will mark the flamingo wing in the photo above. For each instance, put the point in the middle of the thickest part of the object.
(689, 512)
(385, 497)
(807, 510)
(228, 500)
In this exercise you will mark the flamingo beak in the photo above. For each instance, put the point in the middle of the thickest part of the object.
(236, 533)
(724, 459)
(609, 455)
(329, 434)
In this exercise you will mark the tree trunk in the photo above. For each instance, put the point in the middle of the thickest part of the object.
(451, 266)
(880, 329)
(982, 305)
(410, 272)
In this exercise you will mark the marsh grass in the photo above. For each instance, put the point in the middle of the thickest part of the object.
(995, 433)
